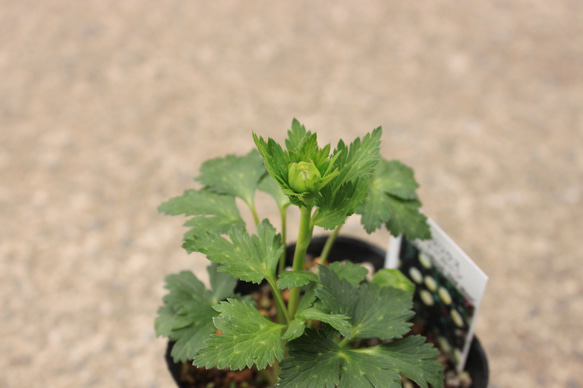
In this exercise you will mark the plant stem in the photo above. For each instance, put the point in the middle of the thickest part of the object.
(344, 342)
(282, 313)
(275, 368)
(283, 214)
(254, 212)
(304, 237)
(270, 375)
(328, 246)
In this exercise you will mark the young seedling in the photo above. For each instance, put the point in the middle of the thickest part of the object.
(321, 334)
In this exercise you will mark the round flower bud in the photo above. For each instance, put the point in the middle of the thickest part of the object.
(304, 177)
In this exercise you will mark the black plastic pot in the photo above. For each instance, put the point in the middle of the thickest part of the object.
(358, 251)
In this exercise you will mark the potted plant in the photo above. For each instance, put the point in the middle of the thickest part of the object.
(325, 324)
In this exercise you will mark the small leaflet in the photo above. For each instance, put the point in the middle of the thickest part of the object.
(450, 288)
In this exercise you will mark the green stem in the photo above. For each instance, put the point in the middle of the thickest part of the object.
(282, 313)
(254, 212)
(344, 342)
(269, 375)
(328, 246)
(304, 237)
(275, 372)
(283, 214)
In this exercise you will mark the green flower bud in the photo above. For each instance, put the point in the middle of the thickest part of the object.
(304, 177)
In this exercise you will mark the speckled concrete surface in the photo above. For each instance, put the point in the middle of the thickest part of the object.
(108, 108)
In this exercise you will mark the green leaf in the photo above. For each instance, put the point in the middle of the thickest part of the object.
(377, 208)
(295, 329)
(302, 145)
(290, 279)
(275, 158)
(248, 338)
(308, 298)
(359, 159)
(316, 361)
(276, 161)
(313, 362)
(296, 136)
(375, 311)
(214, 213)
(406, 219)
(393, 278)
(382, 312)
(348, 190)
(360, 370)
(335, 205)
(234, 175)
(353, 272)
(187, 314)
(251, 258)
(397, 179)
(190, 339)
(392, 201)
(411, 356)
(164, 323)
(307, 305)
(338, 296)
(340, 322)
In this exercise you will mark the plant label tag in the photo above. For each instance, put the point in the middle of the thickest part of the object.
(449, 288)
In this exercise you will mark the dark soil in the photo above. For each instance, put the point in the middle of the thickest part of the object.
(193, 377)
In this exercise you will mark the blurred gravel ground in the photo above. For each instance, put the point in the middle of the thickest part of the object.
(108, 108)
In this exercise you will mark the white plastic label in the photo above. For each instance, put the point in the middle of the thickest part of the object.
(450, 288)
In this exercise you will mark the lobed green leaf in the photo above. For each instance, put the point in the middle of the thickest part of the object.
(251, 258)
(392, 201)
(290, 279)
(359, 159)
(296, 136)
(347, 191)
(187, 314)
(374, 311)
(335, 205)
(397, 179)
(340, 322)
(354, 273)
(295, 329)
(315, 360)
(392, 277)
(411, 356)
(406, 218)
(238, 176)
(338, 296)
(248, 339)
(213, 213)
(382, 312)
